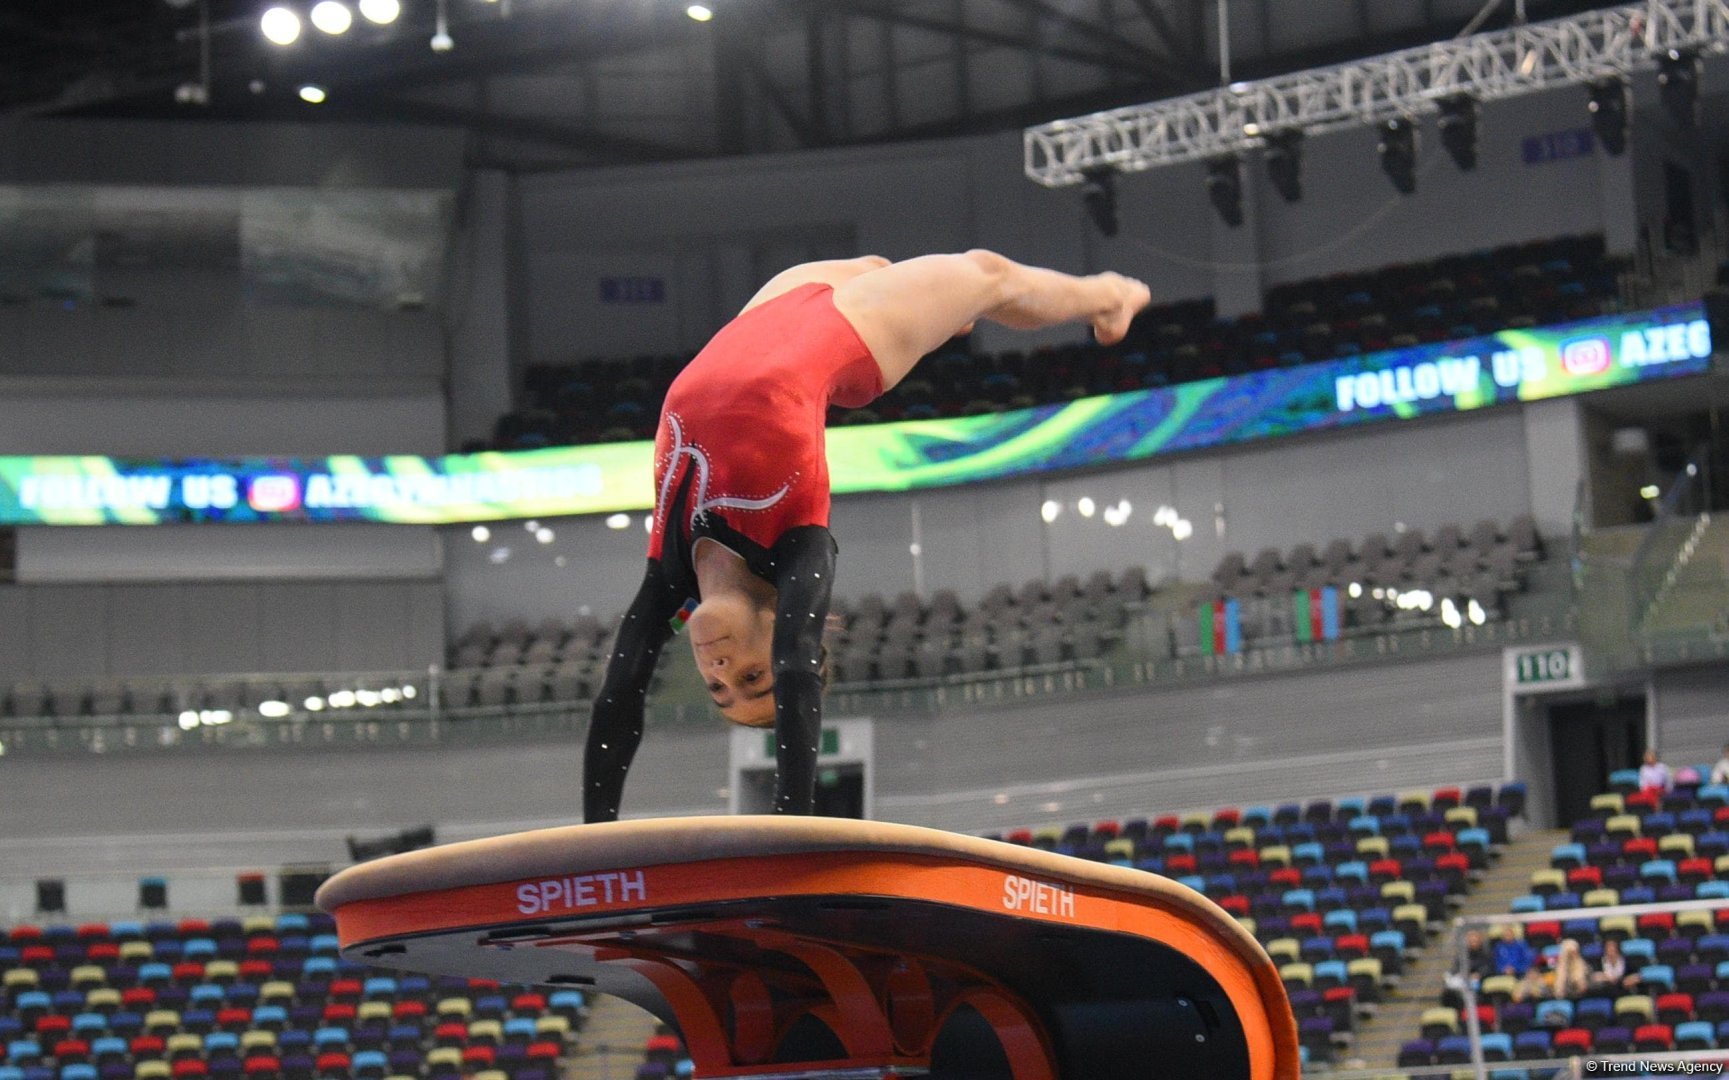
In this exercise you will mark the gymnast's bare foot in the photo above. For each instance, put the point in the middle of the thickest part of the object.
(1124, 298)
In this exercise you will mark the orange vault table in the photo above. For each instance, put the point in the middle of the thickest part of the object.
(818, 947)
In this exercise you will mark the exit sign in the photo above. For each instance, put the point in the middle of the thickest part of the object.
(1552, 666)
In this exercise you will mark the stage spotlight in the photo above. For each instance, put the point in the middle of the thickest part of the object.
(1099, 196)
(312, 94)
(1678, 86)
(332, 16)
(382, 12)
(1284, 156)
(1459, 130)
(700, 12)
(1398, 150)
(280, 26)
(1225, 188)
(441, 39)
(1608, 108)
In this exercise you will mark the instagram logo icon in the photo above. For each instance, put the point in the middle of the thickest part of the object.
(1586, 356)
(274, 493)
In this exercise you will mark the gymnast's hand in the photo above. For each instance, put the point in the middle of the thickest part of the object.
(1123, 298)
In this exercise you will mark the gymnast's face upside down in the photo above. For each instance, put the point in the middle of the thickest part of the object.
(732, 638)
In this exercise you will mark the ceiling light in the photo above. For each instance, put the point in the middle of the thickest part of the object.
(648, 523)
(699, 12)
(1650, 491)
(273, 709)
(442, 42)
(1050, 510)
(618, 521)
(312, 94)
(332, 16)
(1085, 506)
(381, 12)
(314, 704)
(543, 534)
(188, 720)
(481, 534)
(280, 26)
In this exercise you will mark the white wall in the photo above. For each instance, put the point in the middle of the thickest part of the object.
(224, 419)
(62, 554)
(77, 632)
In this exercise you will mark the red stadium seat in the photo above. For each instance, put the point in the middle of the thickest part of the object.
(148, 1046)
(1307, 921)
(1351, 946)
(1227, 818)
(1695, 870)
(405, 1010)
(339, 1012)
(1248, 857)
(1386, 870)
(1581, 878)
(1640, 848)
(1643, 802)
(1572, 1042)
(452, 1034)
(1288, 877)
(478, 1056)
(23, 934)
(336, 1064)
(1654, 1038)
(1439, 841)
(1540, 935)
(1674, 1008)
(1445, 798)
(186, 1068)
(544, 1051)
(1179, 865)
(94, 931)
(1656, 924)
(1236, 904)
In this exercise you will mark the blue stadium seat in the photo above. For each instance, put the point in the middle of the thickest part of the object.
(1695, 1035)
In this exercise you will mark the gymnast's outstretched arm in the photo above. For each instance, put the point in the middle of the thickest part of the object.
(615, 729)
(804, 579)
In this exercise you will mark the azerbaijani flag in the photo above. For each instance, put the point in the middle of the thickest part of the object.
(1317, 614)
(1221, 627)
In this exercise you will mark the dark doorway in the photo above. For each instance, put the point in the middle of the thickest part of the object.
(1590, 740)
(840, 792)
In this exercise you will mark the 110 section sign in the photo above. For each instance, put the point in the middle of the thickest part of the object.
(1552, 666)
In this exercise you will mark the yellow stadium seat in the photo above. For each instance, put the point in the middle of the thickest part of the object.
(1620, 927)
(1414, 802)
(221, 972)
(1285, 950)
(1373, 847)
(102, 998)
(258, 925)
(151, 1070)
(444, 1055)
(162, 1021)
(277, 991)
(485, 1033)
(1498, 988)
(1247, 922)
(1601, 898)
(257, 1040)
(1196, 822)
(1439, 1019)
(1461, 817)
(455, 1007)
(1399, 892)
(137, 952)
(20, 979)
(1636, 1005)
(1047, 837)
(1608, 804)
(185, 1045)
(1624, 826)
(1240, 837)
(1694, 923)
(553, 1027)
(1411, 918)
(1275, 855)
(1548, 880)
(1676, 845)
(1299, 974)
(374, 1010)
(1120, 848)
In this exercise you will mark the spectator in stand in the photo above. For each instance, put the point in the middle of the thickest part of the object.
(1535, 985)
(1479, 958)
(1654, 775)
(1612, 975)
(1512, 956)
(1572, 974)
(1720, 771)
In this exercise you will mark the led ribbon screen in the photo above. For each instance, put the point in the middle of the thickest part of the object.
(1514, 365)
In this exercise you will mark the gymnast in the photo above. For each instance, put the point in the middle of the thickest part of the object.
(740, 551)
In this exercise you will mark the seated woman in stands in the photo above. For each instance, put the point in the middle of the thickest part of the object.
(1613, 975)
(740, 548)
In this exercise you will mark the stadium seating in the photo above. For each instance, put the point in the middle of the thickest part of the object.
(1641, 847)
(1462, 296)
(264, 998)
(1339, 891)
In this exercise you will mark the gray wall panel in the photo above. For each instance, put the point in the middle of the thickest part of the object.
(1692, 714)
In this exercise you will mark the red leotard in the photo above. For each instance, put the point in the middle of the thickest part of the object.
(743, 423)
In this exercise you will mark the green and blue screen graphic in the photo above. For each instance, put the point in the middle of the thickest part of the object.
(1459, 376)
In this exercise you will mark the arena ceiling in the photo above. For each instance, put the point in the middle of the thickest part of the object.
(556, 83)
